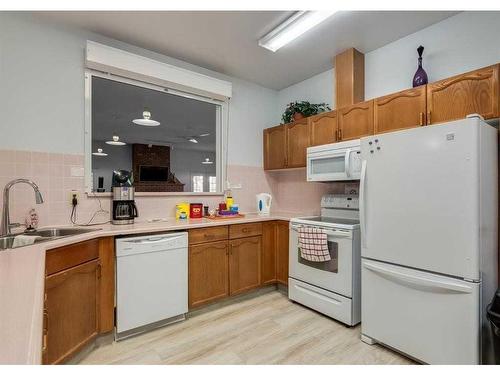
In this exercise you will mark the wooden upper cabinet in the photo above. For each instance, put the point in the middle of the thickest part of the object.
(456, 97)
(355, 121)
(323, 128)
(244, 264)
(71, 314)
(405, 109)
(208, 272)
(275, 147)
(268, 261)
(297, 141)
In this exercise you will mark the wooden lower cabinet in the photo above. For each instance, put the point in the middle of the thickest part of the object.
(268, 259)
(71, 315)
(282, 252)
(208, 272)
(244, 264)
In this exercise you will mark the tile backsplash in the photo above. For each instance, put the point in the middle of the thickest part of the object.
(58, 174)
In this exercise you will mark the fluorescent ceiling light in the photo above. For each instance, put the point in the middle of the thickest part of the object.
(207, 161)
(194, 140)
(116, 141)
(99, 153)
(146, 119)
(204, 135)
(292, 28)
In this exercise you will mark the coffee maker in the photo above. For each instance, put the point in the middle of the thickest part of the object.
(123, 208)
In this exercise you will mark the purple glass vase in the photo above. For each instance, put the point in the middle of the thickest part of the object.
(420, 77)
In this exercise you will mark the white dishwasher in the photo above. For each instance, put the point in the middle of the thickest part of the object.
(151, 282)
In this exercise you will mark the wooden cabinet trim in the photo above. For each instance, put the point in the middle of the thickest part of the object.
(72, 255)
(245, 230)
(208, 234)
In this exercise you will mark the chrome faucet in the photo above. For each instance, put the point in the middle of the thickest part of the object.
(6, 224)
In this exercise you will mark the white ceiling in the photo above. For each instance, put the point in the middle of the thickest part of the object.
(227, 41)
(116, 104)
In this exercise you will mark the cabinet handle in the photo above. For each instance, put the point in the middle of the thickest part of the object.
(428, 117)
(421, 118)
(99, 271)
(45, 329)
(340, 134)
(208, 236)
(245, 230)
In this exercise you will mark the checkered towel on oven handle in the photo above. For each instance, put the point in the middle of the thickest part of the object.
(313, 244)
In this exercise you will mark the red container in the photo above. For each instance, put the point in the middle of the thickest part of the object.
(195, 210)
(222, 207)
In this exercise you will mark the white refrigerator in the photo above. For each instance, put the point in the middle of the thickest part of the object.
(428, 213)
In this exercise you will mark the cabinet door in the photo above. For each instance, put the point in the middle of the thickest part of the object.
(405, 109)
(355, 121)
(282, 252)
(323, 128)
(297, 141)
(244, 264)
(275, 147)
(268, 264)
(71, 311)
(208, 272)
(456, 97)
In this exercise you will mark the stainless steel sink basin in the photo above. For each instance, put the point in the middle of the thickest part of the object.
(59, 232)
(45, 234)
(7, 242)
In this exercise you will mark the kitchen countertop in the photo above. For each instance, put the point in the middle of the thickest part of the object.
(22, 276)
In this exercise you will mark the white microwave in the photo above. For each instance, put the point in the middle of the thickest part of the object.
(339, 161)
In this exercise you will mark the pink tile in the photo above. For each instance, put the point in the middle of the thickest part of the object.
(73, 159)
(7, 170)
(23, 157)
(23, 170)
(56, 170)
(55, 182)
(40, 169)
(56, 158)
(7, 156)
(40, 157)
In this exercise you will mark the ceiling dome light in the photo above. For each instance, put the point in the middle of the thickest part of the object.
(116, 141)
(146, 119)
(194, 140)
(207, 161)
(99, 153)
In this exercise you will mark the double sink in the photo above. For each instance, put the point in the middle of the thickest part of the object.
(42, 235)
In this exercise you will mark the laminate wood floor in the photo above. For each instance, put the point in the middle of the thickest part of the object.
(267, 329)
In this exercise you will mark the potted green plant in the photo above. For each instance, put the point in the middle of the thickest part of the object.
(298, 110)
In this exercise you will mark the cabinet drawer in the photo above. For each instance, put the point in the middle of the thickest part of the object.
(207, 234)
(245, 230)
(69, 256)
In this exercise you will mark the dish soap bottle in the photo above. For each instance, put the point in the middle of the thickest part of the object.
(229, 200)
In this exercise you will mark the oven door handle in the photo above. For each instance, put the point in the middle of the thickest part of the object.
(348, 162)
(329, 233)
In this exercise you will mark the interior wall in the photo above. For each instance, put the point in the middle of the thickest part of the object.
(119, 157)
(186, 163)
(41, 73)
(455, 45)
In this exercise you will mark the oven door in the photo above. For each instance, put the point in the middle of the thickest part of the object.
(334, 275)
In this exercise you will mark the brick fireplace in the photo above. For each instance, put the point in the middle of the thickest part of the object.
(153, 156)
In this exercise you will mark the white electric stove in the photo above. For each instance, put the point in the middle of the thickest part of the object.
(332, 288)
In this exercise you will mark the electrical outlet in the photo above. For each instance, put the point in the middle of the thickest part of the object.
(73, 194)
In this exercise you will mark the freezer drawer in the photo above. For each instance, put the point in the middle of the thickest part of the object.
(432, 318)
(331, 304)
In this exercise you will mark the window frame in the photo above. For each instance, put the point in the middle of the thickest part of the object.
(222, 124)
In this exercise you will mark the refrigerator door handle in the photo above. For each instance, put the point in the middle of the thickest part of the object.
(418, 280)
(362, 209)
